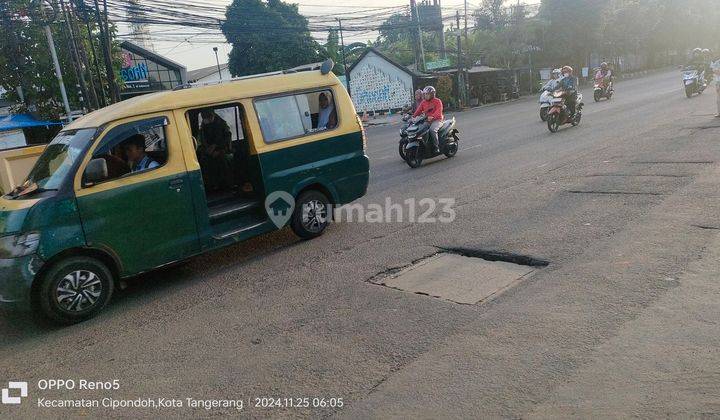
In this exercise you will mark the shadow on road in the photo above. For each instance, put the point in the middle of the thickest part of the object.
(146, 289)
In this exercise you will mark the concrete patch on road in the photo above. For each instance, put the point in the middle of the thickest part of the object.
(456, 278)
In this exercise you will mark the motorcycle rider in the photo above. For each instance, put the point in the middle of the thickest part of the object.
(604, 76)
(569, 86)
(552, 84)
(432, 107)
(707, 65)
(418, 100)
(696, 60)
(716, 70)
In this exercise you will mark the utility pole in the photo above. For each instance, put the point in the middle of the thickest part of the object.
(345, 67)
(443, 52)
(85, 98)
(460, 78)
(80, 47)
(466, 25)
(419, 50)
(46, 21)
(217, 60)
(96, 64)
(58, 72)
(105, 41)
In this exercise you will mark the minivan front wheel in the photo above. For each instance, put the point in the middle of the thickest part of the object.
(74, 290)
(311, 215)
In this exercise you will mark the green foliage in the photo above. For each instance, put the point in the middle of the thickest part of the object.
(25, 59)
(444, 88)
(267, 36)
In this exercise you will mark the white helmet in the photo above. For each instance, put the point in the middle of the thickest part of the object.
(428, 90)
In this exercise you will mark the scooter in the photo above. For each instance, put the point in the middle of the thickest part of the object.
(603, 89)
(416, 144)
(694, 81)
(559, 113)
(545, 98)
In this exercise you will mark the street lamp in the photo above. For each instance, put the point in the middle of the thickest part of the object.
(217, 60)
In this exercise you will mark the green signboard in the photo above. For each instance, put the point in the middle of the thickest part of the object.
(439, 64)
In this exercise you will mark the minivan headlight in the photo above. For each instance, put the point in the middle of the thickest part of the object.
(19, 245)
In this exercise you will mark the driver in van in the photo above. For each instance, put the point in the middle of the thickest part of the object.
(215, 139)
(135, 151)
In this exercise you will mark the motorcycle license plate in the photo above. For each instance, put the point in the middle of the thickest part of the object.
(689, 82)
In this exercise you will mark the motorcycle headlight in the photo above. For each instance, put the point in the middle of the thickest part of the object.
(19, 245)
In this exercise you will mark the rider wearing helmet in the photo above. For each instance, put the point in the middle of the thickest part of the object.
(696, 59)
(432, 107)
(604, 75)
(554, 81)
(568, 84)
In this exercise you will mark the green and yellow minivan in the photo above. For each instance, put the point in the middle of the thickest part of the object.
(162, 177)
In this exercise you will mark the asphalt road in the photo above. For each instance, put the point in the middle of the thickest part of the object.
(624, 321)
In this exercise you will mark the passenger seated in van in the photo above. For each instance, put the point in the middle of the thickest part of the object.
(215, 139)
(135, 152)
(327, 117)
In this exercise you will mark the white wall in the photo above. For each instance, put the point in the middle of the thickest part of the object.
(377, 85)
(213, 77)
(12, 138)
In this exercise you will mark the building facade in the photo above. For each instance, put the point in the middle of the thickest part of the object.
(143, 71)
(377, 83)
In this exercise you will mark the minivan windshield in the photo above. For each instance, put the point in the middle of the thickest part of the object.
(56, 161)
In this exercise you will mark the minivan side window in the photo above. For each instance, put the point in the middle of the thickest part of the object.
(133, 147)
(291, 116)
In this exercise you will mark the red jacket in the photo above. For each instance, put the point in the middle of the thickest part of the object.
(432, 108)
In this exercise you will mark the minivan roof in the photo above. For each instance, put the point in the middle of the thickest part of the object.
(205, 96)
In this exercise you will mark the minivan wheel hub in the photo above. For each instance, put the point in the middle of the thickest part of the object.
(78, 291)
(314, 215)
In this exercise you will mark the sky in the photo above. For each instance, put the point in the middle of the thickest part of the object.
(198, 55)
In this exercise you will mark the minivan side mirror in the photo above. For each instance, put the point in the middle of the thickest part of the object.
(96, 171)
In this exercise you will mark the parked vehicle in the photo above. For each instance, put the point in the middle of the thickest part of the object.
(559, 113)
(693, 81)
(603, 88)
(89, 216)
(416, 144)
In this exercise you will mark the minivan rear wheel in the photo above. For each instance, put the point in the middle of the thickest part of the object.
(311, 215)
(74, 289)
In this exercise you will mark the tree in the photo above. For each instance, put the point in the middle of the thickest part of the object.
(490, 15)
(267, 36)
(25, 60)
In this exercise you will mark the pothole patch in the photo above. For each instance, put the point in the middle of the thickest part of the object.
(461, 275)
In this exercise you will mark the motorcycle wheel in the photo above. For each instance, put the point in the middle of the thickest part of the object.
(597, 96)
(688, 91)
(543, 114)
(413, 157)
(401, 149)
(451, 149)
(609, 95)
(576, 121)
(553, 123)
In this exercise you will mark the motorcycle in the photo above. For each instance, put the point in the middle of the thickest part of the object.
(603, 89)
(560, 115)
(406, 122)
(545, 97)
(416, 144)
(694, 81)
